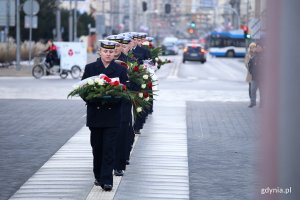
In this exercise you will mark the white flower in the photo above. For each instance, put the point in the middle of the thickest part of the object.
(141, 95)
(75, 87)
(145, 76)
(156, 59)
(147, 99)
(99, 81)
(91, 82)
(139, 109)
(143, 86)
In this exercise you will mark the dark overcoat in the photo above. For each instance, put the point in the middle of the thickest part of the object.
(108, 115)
(141, 54)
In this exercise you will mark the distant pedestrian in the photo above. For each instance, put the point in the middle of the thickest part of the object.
(255, 69)
(249, 55)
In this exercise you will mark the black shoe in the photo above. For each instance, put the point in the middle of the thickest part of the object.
(106, 187)
(119, 172)
(252, 105)
(127, 162)
(97, 183)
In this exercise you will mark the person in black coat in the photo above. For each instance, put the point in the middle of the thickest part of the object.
(141, 54)
(126, 130)
(104, 120)
(255, 65)
(138, 51)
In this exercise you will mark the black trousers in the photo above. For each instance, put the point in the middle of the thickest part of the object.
(140, 120)
(103, 142)
(123, 141)
(130, 141)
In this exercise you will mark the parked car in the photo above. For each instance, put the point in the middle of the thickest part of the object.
(169, 49)
(194, 52)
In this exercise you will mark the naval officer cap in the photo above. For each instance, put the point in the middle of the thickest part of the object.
(107, 44)
(150, 39)
(116, 38)
(143, 35)
(126, 38)
(135, 35)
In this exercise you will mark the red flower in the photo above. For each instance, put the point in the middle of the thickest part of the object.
(149, 85)
(115, 83)
(136, 68)
(150, 45)
(124, 87)
(159, 61)
(169, 61)
(103, 76)
(146, 94)
(107, 79)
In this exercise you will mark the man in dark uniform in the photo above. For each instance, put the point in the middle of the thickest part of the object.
(127, 47)
(126, 129)
(104, 120)
(119, 55)
(139, 52)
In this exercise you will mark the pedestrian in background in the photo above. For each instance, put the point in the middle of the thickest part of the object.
(255, 65)
(249, 55)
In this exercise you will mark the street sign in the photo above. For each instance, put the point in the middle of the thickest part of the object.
(255, 28)
(31, 9)
(28, 24)
(5, 6)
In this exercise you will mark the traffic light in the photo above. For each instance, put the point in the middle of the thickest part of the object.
(167, 8)
(193, 24)
(191, 30)
(246, 31)
(144, 5)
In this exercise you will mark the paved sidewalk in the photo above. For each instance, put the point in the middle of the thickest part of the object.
(222, 138)
(159, 165)
(158, 169)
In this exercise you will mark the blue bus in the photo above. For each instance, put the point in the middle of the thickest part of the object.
(227, 44)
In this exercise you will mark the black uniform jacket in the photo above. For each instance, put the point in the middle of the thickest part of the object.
(141, 54)
(123, 57)
(108, 115)
(126, 105)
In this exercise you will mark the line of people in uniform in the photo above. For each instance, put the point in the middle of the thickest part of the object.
(111, 125)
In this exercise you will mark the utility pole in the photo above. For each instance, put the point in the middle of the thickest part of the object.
(18, 52)
(58, 21)
(7, 20)
(70, 23)
(75, 21)
(248, 13)
(130, 15)
(30, 28)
